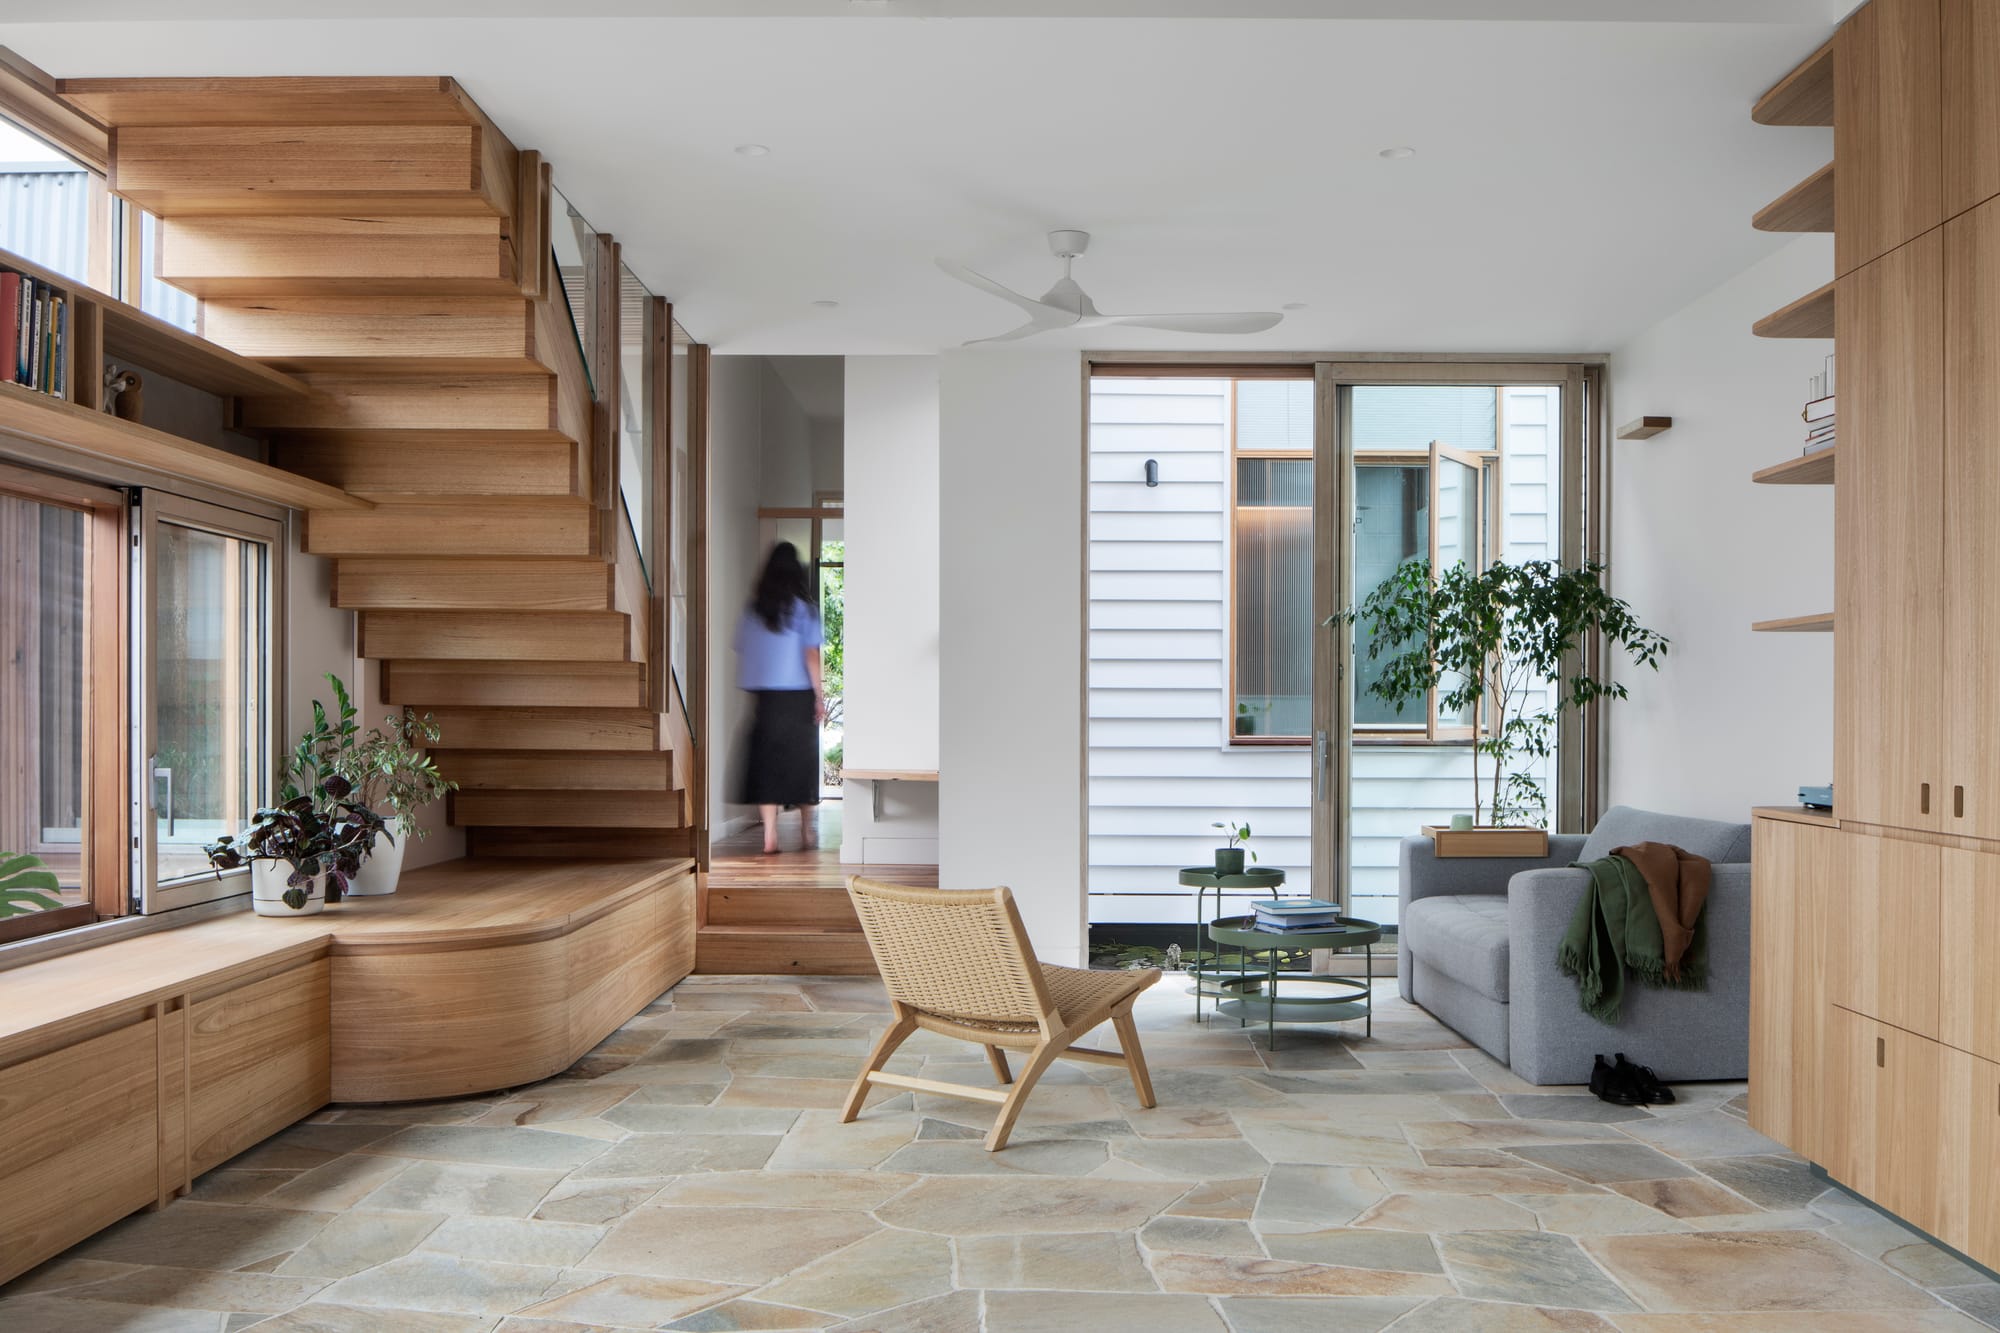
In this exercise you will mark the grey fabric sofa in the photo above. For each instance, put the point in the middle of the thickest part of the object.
(1478, 949)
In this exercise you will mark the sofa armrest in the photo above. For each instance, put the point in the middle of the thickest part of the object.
(1423, 872)
(1540, 904)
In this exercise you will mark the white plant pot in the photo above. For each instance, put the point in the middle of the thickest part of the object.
(379, 873)
(267, 890)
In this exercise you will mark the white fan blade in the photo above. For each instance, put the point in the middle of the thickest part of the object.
(986, 284)
(1028, 330)
(1241, 322)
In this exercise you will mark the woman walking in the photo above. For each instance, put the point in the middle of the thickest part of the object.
(777, 661)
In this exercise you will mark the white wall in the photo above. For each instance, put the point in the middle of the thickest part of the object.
(890, 474)
(1010, 666)
(1733, 719)
(787, 449)
(736, 399)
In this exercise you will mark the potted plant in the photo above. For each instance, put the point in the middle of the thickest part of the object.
(27, 885)
(394, 776)
(303, 852)
(1229, 860)
(1504, 646)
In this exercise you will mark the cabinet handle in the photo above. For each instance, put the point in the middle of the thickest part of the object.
(1924, 799)
(1958, 802)
(1881, 1053)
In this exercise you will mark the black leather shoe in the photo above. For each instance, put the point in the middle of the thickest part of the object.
(1610, 1083)
(1645, 1085)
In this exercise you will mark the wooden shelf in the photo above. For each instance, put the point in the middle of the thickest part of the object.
(1805, 470)
(1819, 624)
(1802, 97)
(37, 416)
(1807, 206)
(1811, 316)
(1796, 814)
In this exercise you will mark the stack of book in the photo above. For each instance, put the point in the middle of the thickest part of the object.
(34, 334)
(1818, 412)
(1282, 914)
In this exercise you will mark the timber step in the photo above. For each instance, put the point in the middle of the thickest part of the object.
(580, 844)
(437, 462)
(564, 770)
(311, 100)
(614, 730)
(447, 402)
(756, 950)
(499, 684)
(396, 335)
(551, 808)
(448, 583)
(508, 525)
(520, 636)
(289, 257)
(782, 908)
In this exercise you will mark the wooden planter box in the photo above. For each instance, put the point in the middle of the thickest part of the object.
(1504, 841)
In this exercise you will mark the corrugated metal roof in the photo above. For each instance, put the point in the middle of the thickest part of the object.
(45, 216)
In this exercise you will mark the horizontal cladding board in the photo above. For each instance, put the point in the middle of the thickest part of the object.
(1122, 439)
(1155, 556)
(1156, 615)
(1206, 465)
(1156, 675)
(1138, 525)
(1155, 703)
(1192, 497)
(1157, 585)
(1208, 409)
(1142, 386)
(1118, 643)
(1201, 764)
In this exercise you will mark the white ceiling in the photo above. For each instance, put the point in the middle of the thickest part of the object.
(1574, 180)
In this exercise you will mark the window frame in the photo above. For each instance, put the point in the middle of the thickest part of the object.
(1235, 455)
(29, 101)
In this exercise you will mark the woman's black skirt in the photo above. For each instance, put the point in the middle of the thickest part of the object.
(781, 766)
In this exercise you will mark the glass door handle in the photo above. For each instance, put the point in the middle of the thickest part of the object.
(168, 774)
(1321, 753)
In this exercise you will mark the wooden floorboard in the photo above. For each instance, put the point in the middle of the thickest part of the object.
(739, 861)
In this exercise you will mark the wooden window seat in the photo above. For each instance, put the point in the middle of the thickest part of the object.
(129, 1069)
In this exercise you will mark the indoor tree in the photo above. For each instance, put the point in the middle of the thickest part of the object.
(1489, 641)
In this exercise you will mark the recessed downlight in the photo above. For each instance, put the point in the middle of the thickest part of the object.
(752, 150)
(1398, 153)
(827, 305)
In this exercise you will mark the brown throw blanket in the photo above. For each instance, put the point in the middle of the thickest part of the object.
(1641, 915)
(1677, 882)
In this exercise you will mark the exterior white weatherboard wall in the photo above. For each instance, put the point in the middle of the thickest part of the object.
(1161, 769)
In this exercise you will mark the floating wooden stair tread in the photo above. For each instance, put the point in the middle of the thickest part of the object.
(455, 335)
(1807, 206)
(799, 951)
(288, 258)
(422, 100)
(1806, 470)
(556, 770)
(37, 416)
(626, 730)
(503, 526)
(408, 403)
(480, 636)
(1802, 97)
(434, 463)
(1819, 624)
(458, 583)
(586, 685)
(1811, 316)
(557, 808)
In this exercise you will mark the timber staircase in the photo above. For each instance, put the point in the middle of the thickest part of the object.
(380, 239)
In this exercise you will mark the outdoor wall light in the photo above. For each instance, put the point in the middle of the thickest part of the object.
(1152, 472)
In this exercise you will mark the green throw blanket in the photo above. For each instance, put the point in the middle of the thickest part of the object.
(1614, 931)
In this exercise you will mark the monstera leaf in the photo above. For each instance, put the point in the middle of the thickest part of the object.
(26, 886)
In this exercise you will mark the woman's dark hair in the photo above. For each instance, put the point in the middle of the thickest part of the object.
(783, 583)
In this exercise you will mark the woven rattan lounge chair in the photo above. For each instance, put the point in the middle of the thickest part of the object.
(958, 962)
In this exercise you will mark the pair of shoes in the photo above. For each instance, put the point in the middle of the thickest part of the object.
(1627, 1084)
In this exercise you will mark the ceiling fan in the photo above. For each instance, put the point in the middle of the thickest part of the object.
(1065, 305)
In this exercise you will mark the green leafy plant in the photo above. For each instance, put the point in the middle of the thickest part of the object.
(1238, 833)
(326, 748)
(319, 832)
(26, 885)
(391, 767)
(1489, 641)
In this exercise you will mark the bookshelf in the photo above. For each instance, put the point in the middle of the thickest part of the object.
(1807, 206)
(1802, 97)
(1819, 624)
(1808, 470)
(1811, 316)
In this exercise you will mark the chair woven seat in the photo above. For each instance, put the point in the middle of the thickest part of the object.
(1074, 990)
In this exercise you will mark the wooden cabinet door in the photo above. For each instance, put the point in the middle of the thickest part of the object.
(1971, 157)
(1889, 713)
(1968, 978)
(1882, 931)
(260, 1056)
(1969, 1202)
(1792, 869)
(1970, 670)
(1882, 1122)
(1887, 136)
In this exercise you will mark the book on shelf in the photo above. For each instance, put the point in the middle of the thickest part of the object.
(1818, 446)
(34, 335)
(1820, 385)
(1282, 914)
(1819, 409)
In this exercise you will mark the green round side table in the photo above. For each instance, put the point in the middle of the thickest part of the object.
(1202, 879)
(1326, 999)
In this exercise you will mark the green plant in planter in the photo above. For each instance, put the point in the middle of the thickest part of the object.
(26, 885)
(1238, 834)
(392, 770)
(1488, 641)
(317, 832)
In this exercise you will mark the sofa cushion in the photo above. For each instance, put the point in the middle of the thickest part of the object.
(1622, 825)
(1463, 936)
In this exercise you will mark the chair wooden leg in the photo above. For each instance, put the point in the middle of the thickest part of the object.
(998, 1059)
(885, 1047)
(1135, 1057)
(1038, 1063)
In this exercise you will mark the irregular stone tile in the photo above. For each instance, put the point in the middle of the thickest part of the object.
(1770, 1182)
(48, 1313)
(955, 1313)
(340, 1137)
(1358, 1247)
(514, 1240)
(627, 1041)
(1981, 1301)
(985, 1206)
(1054, 1157)
(450, 1187)
(1344, 1314)
(1453, 1315)
(1596, 1214)
(1690, 1196)
(1787, 1219)
(933, 1128)
(1065, 1104)
(1821, 1321)
(1199, 1235)
(597, 1202)
(679, 1094)
(1602, 1163)
(556, 1101)
(1317, 1143)
(1313, 1198)
(818, 1141)
(743, 1316)
(1308, 1050)
(449, 1111)
(879, 1272)
(1377, 1059)
(203, 1235)
(797, 1093)
(676, 1154)
(1369, 1083)
(1524, 1179)
(1472, 1105)
(680, 1049)
(1183, 1122)
(1107, 1261)
(63, 1273)
(1529, 1268)
(1195, 1087)
(1494, 1076)
(859, 996)
(726, 1244)
(682, 1024)
(270, 1156)
(1191, 1159)
(1480, 1157)
(1703, 1134)
(627, 1301)
(1066, 1312)
(1750, 1271)
(1446, 1213)
(743, 1000)
(841, 1068)
(791, 1027)
(489, 1145)
(1220, 1198)
(445, 1284)
(1581, 1109)
(1502, 1133)
(223, 1185)
(192, 1289)
(356, 1240)
(340, 1184)
(270, 1265)
(1282, 1277)
(839, 1190)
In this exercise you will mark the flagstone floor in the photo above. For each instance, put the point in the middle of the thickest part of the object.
(689, 1174)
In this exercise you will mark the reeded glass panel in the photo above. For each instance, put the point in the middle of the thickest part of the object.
(1273, 596)
(211, 710)
(1391, 524)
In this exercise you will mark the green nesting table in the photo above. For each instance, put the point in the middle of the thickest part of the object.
(1308, 998)
(1203, 880)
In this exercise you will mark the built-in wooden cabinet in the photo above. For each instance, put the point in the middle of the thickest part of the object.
(1970, 38)
(259, 1057)
(1882, 932)
(1969, 1202)
(1970, 667)
(1793, 865)
(1969, 952)
(1882, 1119)
(1887, 136)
